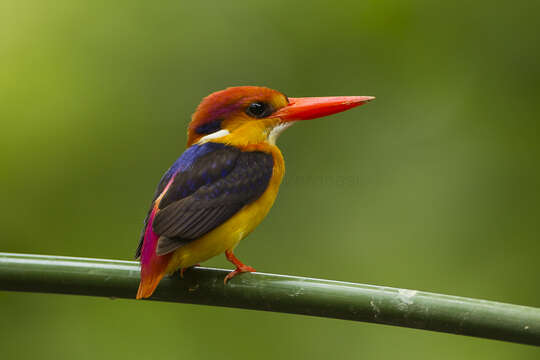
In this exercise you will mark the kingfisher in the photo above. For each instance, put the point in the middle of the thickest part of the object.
(226, 181)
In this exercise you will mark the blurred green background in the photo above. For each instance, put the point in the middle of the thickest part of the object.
(434, 186)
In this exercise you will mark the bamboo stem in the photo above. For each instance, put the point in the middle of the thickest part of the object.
(278, 293)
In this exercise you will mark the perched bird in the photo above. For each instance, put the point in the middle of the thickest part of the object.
(226, 181)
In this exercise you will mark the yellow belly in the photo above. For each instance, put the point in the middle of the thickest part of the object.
(228, 235)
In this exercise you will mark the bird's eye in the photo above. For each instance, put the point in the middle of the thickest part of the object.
(259, 110)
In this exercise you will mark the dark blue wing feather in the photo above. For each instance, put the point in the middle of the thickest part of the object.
(187, 159)
(214, 188)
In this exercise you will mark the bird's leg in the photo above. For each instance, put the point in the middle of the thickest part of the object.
(184, 269)
(240, 267)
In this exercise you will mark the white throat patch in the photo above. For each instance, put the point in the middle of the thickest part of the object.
(276, 131)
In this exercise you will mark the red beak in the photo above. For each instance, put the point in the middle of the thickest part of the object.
(316, 107)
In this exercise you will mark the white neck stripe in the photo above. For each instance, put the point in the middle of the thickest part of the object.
(215, 135)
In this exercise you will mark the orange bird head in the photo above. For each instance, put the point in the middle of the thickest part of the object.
(264, 111)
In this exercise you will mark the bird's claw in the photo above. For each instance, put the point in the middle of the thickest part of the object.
(238, 270)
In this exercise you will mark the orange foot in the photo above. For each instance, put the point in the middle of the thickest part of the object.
(184, 269)
(240, 267)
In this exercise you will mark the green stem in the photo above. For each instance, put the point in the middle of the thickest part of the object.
(278, 293)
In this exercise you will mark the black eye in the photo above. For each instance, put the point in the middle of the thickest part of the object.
(259, 110)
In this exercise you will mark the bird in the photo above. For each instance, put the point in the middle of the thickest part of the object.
(225, 182)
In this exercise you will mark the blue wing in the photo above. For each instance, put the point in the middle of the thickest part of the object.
(181, 164)
(211, 189)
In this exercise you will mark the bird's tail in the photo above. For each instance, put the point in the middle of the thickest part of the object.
(150, 279)
(153, 266)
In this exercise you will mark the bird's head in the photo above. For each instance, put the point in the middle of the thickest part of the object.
(252, 114)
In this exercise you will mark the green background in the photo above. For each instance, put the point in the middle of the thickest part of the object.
(434, 186)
